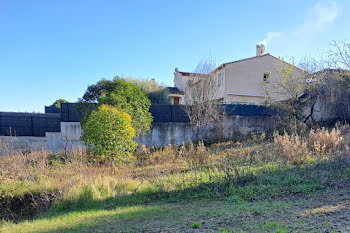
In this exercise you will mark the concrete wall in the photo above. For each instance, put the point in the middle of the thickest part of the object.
(68, 139)
(21, 143)
(177, 132)
(320, 110)
(162, 133)
(71, 130)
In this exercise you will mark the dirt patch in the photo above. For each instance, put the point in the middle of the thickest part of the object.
(26, 207)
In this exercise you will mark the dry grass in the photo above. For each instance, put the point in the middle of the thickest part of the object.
(323, 141)
(248, 169)
(30, 178)
(319, 142)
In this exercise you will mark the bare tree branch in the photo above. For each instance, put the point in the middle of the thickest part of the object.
(202, 104)
(339, 55)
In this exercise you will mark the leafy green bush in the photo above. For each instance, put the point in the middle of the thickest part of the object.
(156, 92)
(108, 133)
(124, 96)
(129, 98)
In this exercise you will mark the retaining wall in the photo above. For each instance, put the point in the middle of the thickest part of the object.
(179, 132)
(162, 133)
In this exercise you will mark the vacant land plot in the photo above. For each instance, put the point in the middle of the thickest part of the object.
(320, 212)
(282, 183)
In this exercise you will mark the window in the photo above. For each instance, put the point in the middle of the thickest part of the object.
(266, 77)
(234, 102)
(251, 103)
(220, 79)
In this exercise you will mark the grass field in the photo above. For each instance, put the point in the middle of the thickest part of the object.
(286, 183)
(319, 212)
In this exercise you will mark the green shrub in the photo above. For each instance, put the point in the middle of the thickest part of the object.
(109, 135)
(123, 95)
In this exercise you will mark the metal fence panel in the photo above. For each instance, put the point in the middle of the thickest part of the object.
(171, 113)
(33, 124)
(178, 114)
(69, 112)
(161, 113)
(250, 110)
(52, 109)
(28, 124)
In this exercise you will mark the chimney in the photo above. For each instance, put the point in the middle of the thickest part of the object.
(260, 49)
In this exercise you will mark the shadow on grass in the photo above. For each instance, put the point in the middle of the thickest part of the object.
(267, 183)
(87, 221)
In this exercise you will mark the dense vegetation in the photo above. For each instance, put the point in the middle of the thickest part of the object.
(108, 133)
(120, 114)
(129, 98)
(245, 185)
(156, 92)
(122, 95)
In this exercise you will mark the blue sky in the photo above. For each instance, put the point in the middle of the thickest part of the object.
(55, 49)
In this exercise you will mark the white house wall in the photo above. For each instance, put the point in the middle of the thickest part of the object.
(244, 78)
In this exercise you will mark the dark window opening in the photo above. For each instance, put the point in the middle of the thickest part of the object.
(176, 100)
(266, 77)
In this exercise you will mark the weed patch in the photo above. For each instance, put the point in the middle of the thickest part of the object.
(236, 173)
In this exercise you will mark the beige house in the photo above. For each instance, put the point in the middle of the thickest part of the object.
(237, 82)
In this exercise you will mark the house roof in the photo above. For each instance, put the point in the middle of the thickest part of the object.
(191, 74)
(245, 59)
